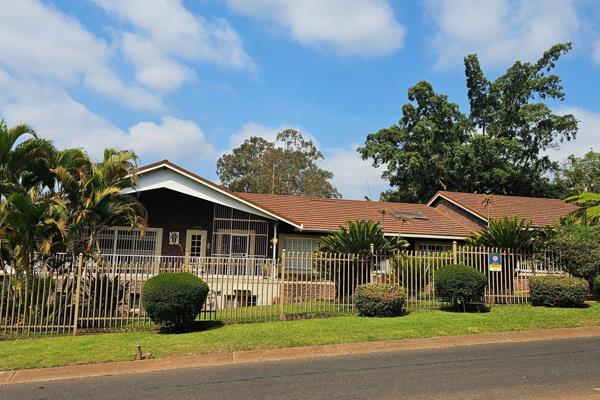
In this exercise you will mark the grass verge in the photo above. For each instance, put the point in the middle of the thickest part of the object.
(64, 350)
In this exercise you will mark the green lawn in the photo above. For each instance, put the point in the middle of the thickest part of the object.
(63, 350)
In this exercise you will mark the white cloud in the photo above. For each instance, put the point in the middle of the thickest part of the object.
(68, 123)
(499, 31)
(350, 27)
(166, 37)
(153, 68)
(354, 177)
(588, 136)
(39, 41)
(174, 138)
(269, 133)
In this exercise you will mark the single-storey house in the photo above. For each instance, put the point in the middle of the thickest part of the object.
(188, 214)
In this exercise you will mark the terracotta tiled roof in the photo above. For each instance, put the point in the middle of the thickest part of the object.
(541, 212)
(318, 214)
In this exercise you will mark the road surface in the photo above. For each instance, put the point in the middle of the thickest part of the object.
(558, 369)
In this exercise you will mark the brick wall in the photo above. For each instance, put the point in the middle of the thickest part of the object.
(298, 292)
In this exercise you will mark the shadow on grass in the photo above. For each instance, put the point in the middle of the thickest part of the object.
(469, 308)
(196, 326)
(584, 305)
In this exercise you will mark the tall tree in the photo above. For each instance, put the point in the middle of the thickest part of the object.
(498, 146)
(289, 165)
(580, 174)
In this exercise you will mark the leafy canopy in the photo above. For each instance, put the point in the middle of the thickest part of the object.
(58, 200)
(286, 166)
(499, 145)
(580, 174)
(579, 248)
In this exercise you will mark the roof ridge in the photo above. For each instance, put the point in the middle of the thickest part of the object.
(512, 196)
(332, 199)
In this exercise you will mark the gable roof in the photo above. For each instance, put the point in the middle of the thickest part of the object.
(221, 190)
(540, 211)
(322, 215)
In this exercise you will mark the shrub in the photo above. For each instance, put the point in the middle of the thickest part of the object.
(597, 288)
(558, 291)
(379, 300)
(460, 284)
(579, 248)
(174, 300)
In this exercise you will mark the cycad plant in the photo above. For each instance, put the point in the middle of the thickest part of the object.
(358, 237)
(507, 232)
(356, 241)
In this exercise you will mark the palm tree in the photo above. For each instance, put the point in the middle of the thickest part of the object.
(94, 196)
(507, 232)
(357, 241)
(30, 223)
(23, 163)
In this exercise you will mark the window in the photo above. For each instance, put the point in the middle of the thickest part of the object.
(298, 250)
(125, 241)
(301, 244)
(239, 234)
(434, 247)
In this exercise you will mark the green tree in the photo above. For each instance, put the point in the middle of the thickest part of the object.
(590, 206)
(289, 165)
(498, 146)
(30, 223)
(24, 159)
(92, 194)
(580, 174)
(579, 248)
(56, 200)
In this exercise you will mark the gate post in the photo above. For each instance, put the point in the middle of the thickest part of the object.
(454, 252)
(77, 293)
(282, 287)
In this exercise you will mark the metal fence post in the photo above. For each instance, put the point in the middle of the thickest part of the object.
(282, 287)
(454, 252)
(77, 293)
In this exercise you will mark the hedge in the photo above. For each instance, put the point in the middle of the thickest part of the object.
(460, 285)
(174, 299)
(558, 291)
(379, 300)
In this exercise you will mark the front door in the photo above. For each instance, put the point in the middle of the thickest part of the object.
(195, 243)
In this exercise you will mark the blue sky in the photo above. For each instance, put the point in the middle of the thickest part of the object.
(189, 80)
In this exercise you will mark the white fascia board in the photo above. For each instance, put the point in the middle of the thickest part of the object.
(164, 177)
(404, 235)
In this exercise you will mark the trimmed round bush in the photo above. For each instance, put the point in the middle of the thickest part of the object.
(460, 284)
(173, 300)
(379, 300)
(558, 291)
(596, 287)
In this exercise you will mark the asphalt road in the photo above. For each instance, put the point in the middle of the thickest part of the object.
(561, 369)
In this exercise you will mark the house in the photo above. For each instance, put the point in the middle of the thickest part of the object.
(188, 214)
